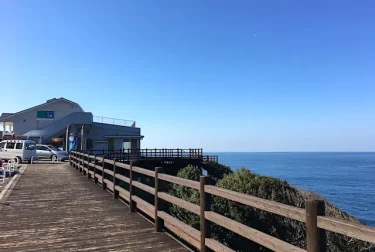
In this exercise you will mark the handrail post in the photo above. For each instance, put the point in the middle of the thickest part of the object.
(132, 203)
(88, 167)
(159, 222)
(316, 237)
(83, 169)
(95, 178)
(81, 162)
(104, 185)
(205, 205)
(115, 192)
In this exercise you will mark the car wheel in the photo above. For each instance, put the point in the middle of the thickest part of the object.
(18, 160)
(54, 158)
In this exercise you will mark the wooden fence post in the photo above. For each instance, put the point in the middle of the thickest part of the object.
(80, 162)
(104, 185)
(95, 178)
(77, 161)
(83, 170)
(205, 205)
(132, 203)
(159, 222)
(88, 168)
(115, 192)
(316, 237)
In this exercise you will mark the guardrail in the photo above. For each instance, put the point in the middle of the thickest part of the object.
(114, 121)
(312, 215)
(145, 154)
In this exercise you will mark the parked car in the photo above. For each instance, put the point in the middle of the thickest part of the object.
(20, 150)
(51, 152)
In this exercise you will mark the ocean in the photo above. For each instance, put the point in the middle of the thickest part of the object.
(345, 179)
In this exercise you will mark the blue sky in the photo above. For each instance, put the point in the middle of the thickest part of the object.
(221, 75)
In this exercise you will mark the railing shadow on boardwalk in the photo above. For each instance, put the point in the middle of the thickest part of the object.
(110, 173)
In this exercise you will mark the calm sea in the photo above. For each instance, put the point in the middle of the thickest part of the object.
(345, 179)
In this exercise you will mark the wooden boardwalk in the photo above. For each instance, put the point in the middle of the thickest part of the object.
(53, 209)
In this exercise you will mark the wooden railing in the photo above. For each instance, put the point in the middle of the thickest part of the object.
(96, 167)
(145, 154)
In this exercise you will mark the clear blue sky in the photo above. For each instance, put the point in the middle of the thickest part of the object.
(221, 75)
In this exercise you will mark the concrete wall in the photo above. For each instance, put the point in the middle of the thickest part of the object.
(98, 131)
(26, 121)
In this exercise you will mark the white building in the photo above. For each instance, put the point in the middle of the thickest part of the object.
(57, 120)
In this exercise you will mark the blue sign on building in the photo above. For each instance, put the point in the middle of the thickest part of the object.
(45, 115)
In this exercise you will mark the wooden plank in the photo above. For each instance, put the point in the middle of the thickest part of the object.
(92, 164)
(91, 172)
(92, 156)
(109, 161)
(180, 225)
(109, 183)
(99, 167)
(252, 234)
(354, 230)
(122, 192)
(217, 246)
(109, 172)
(144, 187)
(144, 206)
(180, 181)
(99, 177)
(125, 166)
(85, 162)
(67, 212)
(122, 178)
(144, 171)
(180, 202)
(180, 233)
(99, 158)
(266, 205)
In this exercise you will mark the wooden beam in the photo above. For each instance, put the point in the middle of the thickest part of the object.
(316, 237)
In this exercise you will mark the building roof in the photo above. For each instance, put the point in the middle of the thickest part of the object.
(5, 114)
(53, 100)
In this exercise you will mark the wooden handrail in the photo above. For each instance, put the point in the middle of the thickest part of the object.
(316, 223)
(354, 230)
(144, 171)
(180, 202)
(180, 181)
(252, 234)
(263, 204)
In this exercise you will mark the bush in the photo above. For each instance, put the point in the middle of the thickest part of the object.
(187, 194)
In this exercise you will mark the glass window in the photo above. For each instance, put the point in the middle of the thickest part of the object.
(43, 148)
(19, 146)
(30, 146)
(2, 145)
(10, 145)
(52, 147)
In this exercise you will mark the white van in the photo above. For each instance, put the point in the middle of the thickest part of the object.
(22, 150)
